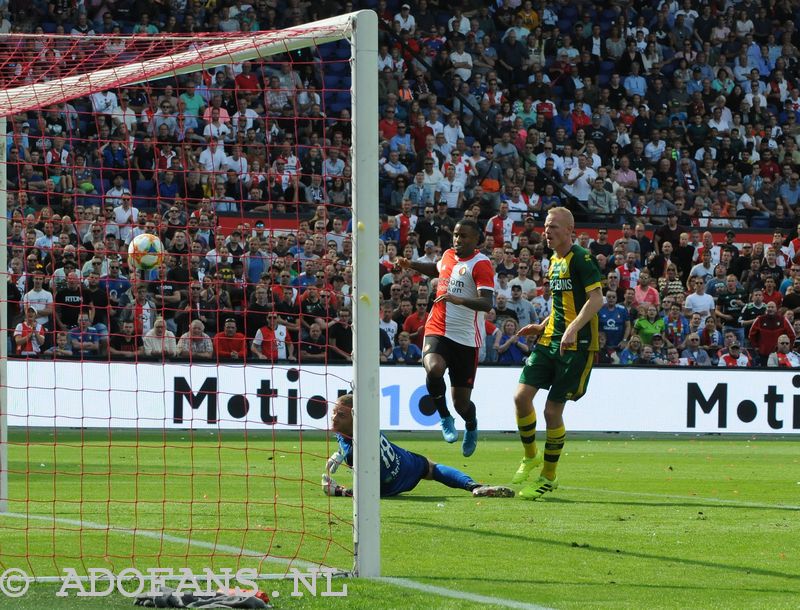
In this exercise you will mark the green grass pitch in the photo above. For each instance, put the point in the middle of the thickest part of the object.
(664, 522)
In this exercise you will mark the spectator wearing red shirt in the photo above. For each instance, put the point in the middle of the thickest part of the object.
(771, 294)
(766, 329)
(246, 80)
(419, 135)
(628, 273)
(580, 120)
(414, 324)
(272, 341)
(388, 125)
(29, 335)
(230, 344)
(769, 169)
(735, 357)
(406, 220)
(500, 226)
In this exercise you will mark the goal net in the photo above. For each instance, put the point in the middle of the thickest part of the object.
(177, 417)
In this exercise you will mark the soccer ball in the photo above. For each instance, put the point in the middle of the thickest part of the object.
(145, 252)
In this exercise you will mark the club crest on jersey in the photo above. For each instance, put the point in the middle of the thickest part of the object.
(462, 271)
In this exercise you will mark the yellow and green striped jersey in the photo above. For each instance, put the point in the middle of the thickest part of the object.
(571, 279)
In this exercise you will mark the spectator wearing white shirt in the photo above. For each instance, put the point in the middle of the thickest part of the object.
(212, 159)
(458, 24)
(463, 169)
(442, 147)
(432, 176)
(753, 94)
(699, 302)
(124, 115)
(104, 102)
(384, 59)
(452, 131)
(462, 61)
(719, 123)
(580, 179)
(127, 218)
(547, 153)
(406, 19)
(39, 299)
(429, 255)
(654, 148)
(117, 191)
(238, 163)
(450, 190)
(216, 128)
(433, 122)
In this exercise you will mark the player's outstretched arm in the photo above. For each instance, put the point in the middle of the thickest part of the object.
(482, 303)
(533, 330)
(428, 269)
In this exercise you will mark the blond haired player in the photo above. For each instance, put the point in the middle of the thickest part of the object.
(562, 359)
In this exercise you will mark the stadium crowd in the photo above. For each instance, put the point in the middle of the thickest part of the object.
(666, 120)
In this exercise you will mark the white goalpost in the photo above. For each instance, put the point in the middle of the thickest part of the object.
(361, 30)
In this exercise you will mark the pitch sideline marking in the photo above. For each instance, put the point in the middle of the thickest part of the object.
(462, 595)
(399, 582)
(698, 499)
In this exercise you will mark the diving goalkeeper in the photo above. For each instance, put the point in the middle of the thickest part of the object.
(401, 470)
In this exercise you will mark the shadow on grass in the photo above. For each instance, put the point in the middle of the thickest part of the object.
(414, 498)
(600, 550)
(700, 503)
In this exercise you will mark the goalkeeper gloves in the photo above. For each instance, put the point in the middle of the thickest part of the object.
(333, 463)
(331, 488)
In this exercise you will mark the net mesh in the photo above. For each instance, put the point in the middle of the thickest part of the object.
(176, 416)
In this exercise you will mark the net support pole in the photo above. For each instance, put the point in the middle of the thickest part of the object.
(4, 321)
(367, 399)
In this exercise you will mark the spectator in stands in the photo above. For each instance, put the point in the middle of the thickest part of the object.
(510, 348)
(195, 343)
(783, 356)
(29, 335)
(312, 347)
(766, 329)
(406, 352)
(340, 336)
(526, 313)
(84, 338)
(735, 357)
(694, 354)
(62, 348)
(230, 344)
(69, 303)
(141, 312)
(126, 345)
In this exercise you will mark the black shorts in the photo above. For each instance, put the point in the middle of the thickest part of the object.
(462, 360)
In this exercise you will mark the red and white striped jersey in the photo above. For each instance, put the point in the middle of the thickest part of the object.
(464, 278)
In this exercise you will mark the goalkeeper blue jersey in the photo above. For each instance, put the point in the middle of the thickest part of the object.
(401, 470)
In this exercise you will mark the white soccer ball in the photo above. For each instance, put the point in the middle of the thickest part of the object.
(145, 252)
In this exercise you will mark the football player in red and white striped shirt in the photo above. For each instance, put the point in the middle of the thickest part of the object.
(452, 330)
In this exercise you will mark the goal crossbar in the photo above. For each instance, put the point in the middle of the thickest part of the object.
(233, 50)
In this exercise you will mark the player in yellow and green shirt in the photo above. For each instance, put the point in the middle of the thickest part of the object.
(562, 360)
